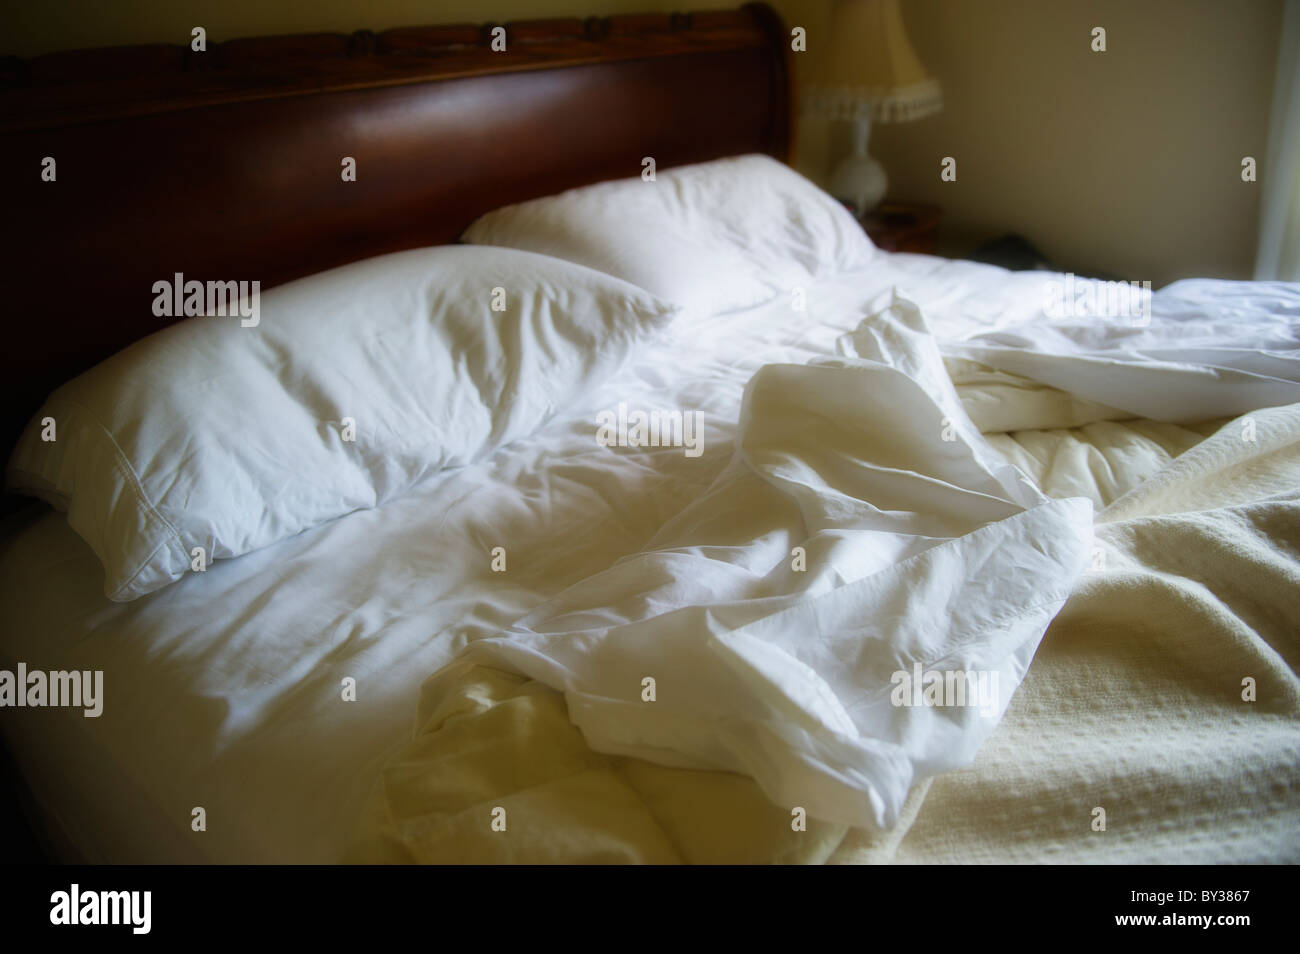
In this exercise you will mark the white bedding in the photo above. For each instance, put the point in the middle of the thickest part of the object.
(224, 691)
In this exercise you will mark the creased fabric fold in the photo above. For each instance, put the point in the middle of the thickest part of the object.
(921, 546)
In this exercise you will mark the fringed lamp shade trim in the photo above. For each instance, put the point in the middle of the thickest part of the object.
(866, 69)
(898, 104)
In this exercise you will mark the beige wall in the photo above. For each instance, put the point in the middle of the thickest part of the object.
(1126, 161)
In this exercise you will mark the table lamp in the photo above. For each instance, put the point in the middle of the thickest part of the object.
(867, 72)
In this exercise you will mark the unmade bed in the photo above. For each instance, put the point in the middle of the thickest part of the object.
(555, 639)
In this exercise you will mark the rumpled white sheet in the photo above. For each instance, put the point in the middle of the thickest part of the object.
(923, 546)
(1186, 362)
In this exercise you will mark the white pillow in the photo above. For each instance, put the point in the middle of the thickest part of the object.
(715, 237)
(215, 435)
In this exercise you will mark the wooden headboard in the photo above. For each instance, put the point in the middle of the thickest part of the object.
(226, 164)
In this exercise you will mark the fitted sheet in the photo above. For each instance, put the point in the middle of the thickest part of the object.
(224, 690)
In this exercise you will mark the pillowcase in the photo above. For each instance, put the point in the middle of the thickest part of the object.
(715, 237)
(230, 434)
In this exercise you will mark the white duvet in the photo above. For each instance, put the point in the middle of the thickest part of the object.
(850, 440)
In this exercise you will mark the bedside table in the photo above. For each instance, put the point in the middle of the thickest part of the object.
(903, 227)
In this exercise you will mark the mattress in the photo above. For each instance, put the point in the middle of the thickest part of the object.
(226, 690)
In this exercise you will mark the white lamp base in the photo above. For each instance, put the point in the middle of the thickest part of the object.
(858, 179)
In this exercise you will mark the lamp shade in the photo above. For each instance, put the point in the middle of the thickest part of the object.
(867, 69)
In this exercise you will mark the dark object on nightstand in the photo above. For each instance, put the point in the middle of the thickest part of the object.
(1012, 252)
(903, 227)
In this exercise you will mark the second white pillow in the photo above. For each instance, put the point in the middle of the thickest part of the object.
(713, 237)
